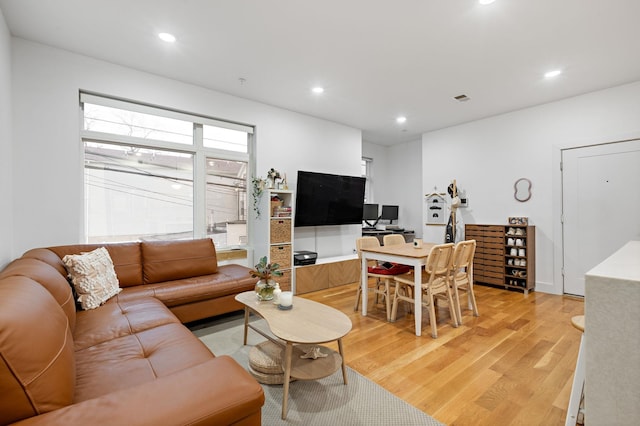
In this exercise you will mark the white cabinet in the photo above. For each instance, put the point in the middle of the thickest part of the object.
(612, 339)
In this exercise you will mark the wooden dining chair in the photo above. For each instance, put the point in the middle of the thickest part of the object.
(462, 276)
(393, 239)
(383, 279)
(435, 285)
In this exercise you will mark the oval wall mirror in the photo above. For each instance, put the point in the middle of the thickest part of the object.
(522, 189)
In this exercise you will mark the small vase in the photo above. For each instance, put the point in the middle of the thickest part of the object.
(264, 289)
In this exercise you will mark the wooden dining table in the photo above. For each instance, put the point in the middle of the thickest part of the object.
(405, 254)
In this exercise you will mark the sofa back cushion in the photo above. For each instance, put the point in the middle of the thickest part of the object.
(37, 364)
(48, 257)
(175, 260)
(48, 277)
(126, 257)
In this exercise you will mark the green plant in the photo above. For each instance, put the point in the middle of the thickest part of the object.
(265, 271)
(258, 190)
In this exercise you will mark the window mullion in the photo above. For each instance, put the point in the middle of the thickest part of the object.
(199, 185)
(88, 135)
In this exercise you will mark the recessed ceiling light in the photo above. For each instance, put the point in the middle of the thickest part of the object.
(169, 38)
(318, 89)
(486, 1)
(401, 120)
(552, 74)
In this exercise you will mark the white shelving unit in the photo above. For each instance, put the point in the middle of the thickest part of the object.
(280, 205)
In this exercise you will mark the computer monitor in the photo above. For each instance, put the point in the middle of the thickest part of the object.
(389, 213)
(369, 214)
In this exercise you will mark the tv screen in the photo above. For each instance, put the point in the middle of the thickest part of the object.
(326, 199)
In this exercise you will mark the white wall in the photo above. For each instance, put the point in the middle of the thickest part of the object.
(47, 153)
(488, 156)
(6, 188)
(397, 177)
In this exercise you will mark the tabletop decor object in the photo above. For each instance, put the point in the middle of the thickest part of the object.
(286, 301)
(265, 271)
(272, 176)
(314, 353)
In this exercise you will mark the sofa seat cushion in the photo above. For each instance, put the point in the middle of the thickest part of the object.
(189, 290)
(137, 358)
(216, 392)
(118, 318)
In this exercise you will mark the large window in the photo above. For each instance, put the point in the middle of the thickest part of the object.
(153, 173)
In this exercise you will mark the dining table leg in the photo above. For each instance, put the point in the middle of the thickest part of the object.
(364, 283)
(417, 295)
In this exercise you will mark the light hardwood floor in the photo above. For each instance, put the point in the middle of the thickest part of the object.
(512, 365)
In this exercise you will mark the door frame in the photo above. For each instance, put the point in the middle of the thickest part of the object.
(558, 234)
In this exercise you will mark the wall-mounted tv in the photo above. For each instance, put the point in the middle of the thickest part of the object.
(326, 199)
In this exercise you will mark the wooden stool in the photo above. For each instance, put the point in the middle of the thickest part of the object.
(577, 389)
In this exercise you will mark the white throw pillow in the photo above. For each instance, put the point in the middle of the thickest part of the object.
(93, 276)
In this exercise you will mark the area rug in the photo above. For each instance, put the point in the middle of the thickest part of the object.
(316, 402)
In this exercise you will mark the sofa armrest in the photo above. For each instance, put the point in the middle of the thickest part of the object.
(217, 392)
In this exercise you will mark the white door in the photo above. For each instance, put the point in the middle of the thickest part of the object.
(600, 205)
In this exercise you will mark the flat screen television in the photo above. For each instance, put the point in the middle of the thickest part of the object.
(327, 199)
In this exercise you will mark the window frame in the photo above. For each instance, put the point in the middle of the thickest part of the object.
(368, 165)
(197, 149)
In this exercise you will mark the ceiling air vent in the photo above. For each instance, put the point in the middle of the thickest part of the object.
(461, 98)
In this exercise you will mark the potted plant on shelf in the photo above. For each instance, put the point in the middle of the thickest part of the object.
(265, 271)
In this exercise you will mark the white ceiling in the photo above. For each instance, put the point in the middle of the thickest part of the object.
(376, 59)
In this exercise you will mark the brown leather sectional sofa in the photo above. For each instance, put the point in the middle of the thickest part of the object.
(130, 361)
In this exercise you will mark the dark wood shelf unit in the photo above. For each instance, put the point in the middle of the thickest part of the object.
(496, 263)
